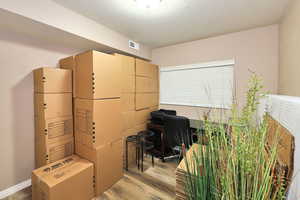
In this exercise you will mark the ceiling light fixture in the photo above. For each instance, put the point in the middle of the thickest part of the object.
(148, 3)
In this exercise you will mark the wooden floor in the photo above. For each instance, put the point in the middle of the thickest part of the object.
(153, 183)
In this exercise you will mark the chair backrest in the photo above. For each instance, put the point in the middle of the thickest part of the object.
(168, 112)
(157, 117)
(177, 129)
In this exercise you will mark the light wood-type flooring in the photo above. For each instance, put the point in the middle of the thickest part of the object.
(153, 183)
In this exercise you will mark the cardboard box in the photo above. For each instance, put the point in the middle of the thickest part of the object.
(97, 122)
(141, 116)
(70, 178)
(128, 84)
(128, 120)
(69, 63)
(107, 161)
(146, 69)
(146, 85)
(52, 80)
(52, 129)
(142, 68)
(154, 86)
(143, 84)
(128, 132)
(140, 127)
(127, 102)
(46, 153)
(98, 75)
(48, 106)
(154, 72)
(154, 99)
(286, 144)
(142, 101)
(146, 100)
(128, 65)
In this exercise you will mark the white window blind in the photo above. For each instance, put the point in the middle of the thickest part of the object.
(203, 85)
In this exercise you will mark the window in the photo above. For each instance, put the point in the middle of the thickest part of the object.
(203, 85)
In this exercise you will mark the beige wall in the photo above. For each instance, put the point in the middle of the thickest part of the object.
(19, 55)
(253, 50)
(54, 15)
(289, 79)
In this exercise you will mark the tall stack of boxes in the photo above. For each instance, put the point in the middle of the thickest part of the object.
(111, 98)
(147, 92)
(98, 115)
(128, 105)
(53, 115)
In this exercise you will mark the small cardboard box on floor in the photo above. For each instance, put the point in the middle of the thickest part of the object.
(97, 122)
(107, 161)
(52, 80)
(67, 179)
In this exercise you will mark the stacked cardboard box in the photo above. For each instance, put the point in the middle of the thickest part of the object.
(69, 178)
(182, 172)
(128, 105)
(53, 115)
(147, 92)
(98, 115)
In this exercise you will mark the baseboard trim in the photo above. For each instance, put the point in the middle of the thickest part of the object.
(13, 189)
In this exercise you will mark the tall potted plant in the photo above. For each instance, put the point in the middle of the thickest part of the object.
(235, 163)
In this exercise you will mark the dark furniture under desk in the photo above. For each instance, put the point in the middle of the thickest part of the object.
(159, 128)
(172, 134)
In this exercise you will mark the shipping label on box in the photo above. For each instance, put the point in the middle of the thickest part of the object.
(50, 130)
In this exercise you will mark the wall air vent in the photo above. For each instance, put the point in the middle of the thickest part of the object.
(134, 45)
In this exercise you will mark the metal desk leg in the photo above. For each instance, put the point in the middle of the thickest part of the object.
(142, 156)
(126, 155)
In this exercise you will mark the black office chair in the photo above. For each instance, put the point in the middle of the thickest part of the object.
(178, 132)
(157, 117)
(168, 112)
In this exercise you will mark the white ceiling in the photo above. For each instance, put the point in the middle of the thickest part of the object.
(176, 21)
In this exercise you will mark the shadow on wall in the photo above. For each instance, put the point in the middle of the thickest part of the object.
(23, 129)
